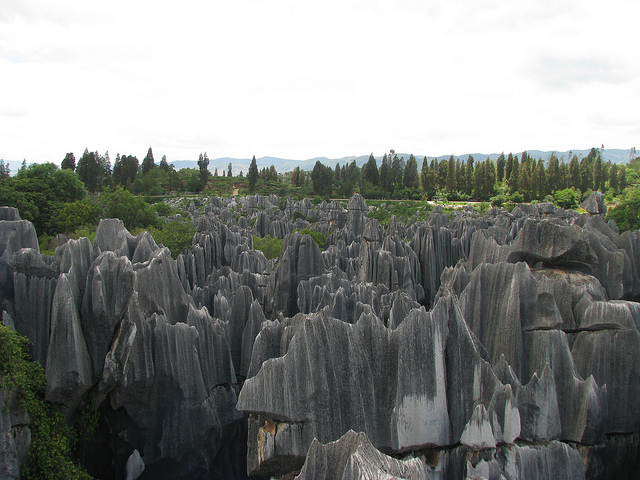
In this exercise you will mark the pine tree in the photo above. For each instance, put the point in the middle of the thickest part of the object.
(500, 164)
(69, 162)
(613, 177)
(370, 171)
(5, 170)
(148, 163)
(164, 165)
(622, 178)
(515, 175)
(508, 167)
(451, 175)
(229, 172)
(411, 173)
(384, 174)
(553, 173)
(252, 174)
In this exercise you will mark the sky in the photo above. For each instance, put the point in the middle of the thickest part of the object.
(298, 79)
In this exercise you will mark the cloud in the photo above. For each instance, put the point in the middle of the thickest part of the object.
(562, 73)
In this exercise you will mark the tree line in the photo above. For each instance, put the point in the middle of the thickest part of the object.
(508, 178)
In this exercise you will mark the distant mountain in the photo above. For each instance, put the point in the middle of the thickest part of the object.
(615, 155)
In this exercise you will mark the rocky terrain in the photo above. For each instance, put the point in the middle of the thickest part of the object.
(464, 347)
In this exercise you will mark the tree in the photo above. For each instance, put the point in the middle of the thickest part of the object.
(147, 163)
(396, 172)
(5, 170)
(613, 177)
(411, 173)
(500, 164)
(252, 174)
(229, 173)
(132, 210)
(384, 174)
(24, 164)
(69, 162)
(322, 178)
(451, 174)
(627, 214)
(508, 167)
(164, 165)
(514, 177)
(39, 192)
(203, 165)
(622, 179)
(370, 171)
(88, 169)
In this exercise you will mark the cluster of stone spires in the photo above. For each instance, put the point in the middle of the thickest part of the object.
(465, 346)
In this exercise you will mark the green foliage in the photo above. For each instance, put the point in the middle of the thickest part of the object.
(132, 210)
(163, 209)
(322, 178)
(298, 215)
(318, 237)
(270, 246)
(176, 236)
(252, 174)
(39, 191)
(75, 214)
(52, 440)
(567, 198)
(627, 214)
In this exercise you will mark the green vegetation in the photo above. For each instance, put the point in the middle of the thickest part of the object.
(567, 198)
(132, 210)
(176, 236)
(318, 237)
(627, 213)
(270, 246)
(52, 440)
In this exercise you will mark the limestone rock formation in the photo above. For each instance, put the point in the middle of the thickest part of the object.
(353, 456)
(465, 346)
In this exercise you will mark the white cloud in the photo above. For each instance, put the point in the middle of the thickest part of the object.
(299, 80)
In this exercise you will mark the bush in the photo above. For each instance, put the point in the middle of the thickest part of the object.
(163, 209)
(567, 198)
(52, 440)
(132, 210)
(319, 238)
(627, 214)
(270, 246)
(176, 236)
(73, 215)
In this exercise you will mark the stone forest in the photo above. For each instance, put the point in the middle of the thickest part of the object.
(465, 346)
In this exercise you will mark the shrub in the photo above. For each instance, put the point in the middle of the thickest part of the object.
(627, 214)
(73, 215)
(176, 236)
(319, 238)
(52, 440)
(270, 246)
(567, 198)
(132, 210)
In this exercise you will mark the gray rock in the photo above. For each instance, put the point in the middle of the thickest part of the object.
(69, 368)
(594, 204)
(135, 466)
(300, 260)
(109, 287)
(353, 456)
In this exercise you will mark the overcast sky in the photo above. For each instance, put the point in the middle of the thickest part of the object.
(300, 79)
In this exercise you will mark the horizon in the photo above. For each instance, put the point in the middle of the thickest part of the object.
(157, 157)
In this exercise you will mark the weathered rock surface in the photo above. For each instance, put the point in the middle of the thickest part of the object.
(353, 456)
(495, 346)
